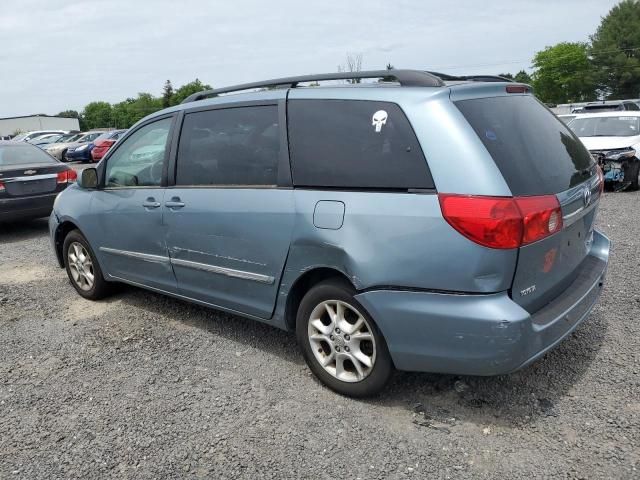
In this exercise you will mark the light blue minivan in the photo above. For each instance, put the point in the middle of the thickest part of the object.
(414, 221)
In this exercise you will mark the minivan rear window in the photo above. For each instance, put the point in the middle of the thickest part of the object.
(536, 153)
(354, 144)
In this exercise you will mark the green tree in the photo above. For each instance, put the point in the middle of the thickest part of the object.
(97, 115)
(615, 51)
(188, 89)
(563, 74)
(506, 75)
(523, 77)
(73, 114)
(167, 94)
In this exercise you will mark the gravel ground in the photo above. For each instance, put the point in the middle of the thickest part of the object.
(142, 386)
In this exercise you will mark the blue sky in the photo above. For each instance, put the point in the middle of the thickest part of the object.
(62, 54)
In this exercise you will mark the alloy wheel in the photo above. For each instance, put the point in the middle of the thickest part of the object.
(342, 340)
(80, 266)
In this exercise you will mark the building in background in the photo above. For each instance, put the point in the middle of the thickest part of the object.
(13, 125)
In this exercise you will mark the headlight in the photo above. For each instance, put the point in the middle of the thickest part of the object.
(620, 154)
(79, 149)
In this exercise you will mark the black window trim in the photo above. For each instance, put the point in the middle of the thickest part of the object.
(284, 180)
(168, 146)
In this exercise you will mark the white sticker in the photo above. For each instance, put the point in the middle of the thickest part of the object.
(379, 119)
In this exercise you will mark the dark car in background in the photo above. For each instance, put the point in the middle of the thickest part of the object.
(104, 142)
(30, 180)
(82, 151)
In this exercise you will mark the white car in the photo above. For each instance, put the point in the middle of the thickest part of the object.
(25, 137)
(613, 138)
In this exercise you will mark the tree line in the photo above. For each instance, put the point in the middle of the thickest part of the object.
(605, 67)
(124, 114)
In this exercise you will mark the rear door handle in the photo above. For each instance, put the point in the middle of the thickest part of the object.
(150, 202)
(175, 202)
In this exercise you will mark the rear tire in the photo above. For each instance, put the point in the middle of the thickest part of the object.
(340, 341)
(82, 267)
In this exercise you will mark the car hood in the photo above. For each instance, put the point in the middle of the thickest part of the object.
(609, 143)
(78, 144)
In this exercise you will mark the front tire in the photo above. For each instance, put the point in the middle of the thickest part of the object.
(634, 172)
(82, 267)
(340, 341)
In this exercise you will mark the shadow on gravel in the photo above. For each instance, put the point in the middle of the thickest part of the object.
(249, 332)
(20, 231)
(510, 400)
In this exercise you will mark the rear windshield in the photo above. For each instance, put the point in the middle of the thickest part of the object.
(536, 153)
(606, 126)
(22, 155)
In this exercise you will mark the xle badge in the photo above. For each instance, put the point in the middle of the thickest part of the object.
(379, 119)
(527, 291)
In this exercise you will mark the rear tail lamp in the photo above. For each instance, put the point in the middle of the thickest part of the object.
(67, 176)
(517, 89)
(2, 189)
(502, 222)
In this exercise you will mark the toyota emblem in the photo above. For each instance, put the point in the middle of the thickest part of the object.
(586, 196)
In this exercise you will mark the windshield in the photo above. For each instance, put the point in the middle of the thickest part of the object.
(606, 126)
(22, 155)
(48, 139)
(19, 138)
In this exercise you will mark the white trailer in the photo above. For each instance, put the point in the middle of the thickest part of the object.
(14, 125)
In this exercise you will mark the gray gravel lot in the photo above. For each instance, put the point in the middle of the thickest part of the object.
(143, 386)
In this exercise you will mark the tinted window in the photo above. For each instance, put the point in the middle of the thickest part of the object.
(354, 144)
(234, 146)
(22, 155)
(139, 158)
(536, 153)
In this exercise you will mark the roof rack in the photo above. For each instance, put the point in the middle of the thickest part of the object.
(406, 78)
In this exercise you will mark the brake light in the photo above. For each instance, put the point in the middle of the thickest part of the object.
(67, 176)
(502, 222)
(2, 189)
(517, 89)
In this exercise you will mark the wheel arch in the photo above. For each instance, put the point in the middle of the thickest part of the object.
(303, 284)
(60, 234)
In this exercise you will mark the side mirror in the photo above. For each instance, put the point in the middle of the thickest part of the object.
(88, 178)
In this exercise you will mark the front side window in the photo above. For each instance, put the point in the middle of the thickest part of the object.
(138, 160)
(354, 144)
(227, 147)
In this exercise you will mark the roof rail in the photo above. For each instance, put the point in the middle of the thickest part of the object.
(406, 78)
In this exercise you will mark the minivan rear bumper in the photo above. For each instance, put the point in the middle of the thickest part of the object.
(482, 334)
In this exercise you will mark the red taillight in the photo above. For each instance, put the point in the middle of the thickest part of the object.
(2, 187)
(67, 176)
(541, 217)
(502, 222)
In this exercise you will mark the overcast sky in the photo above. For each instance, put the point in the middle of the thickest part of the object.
(61, 54)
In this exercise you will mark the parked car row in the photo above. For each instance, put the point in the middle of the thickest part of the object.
(81, 148)
(72, 146)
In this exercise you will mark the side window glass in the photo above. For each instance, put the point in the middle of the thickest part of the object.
(232, 146)
(354, 144)
(138, 161)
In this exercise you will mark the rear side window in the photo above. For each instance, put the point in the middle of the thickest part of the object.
(535, 152)
(354, 144)
(233, 146)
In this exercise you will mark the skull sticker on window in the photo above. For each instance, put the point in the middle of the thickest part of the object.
(379, 119)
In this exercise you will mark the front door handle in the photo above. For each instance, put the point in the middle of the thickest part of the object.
(175, 202)
(150, 202)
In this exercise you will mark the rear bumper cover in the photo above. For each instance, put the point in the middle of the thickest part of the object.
(26, 208)
(482, 334)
